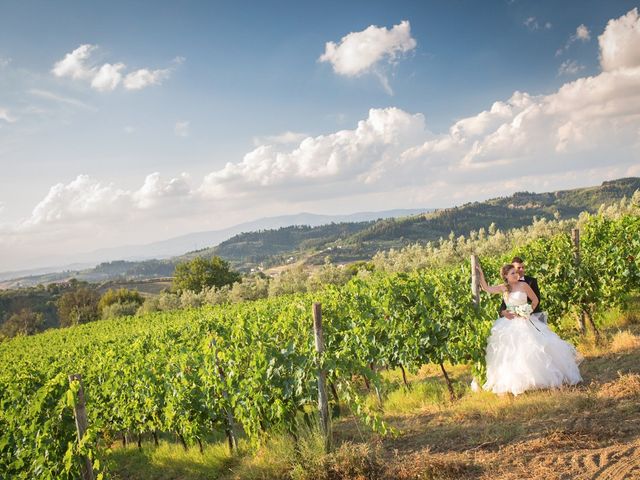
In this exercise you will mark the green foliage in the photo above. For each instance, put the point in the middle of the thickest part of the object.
(119, 302)
(39, 300)
(293, 280)
(251, 287)
(25, 322)
(200, 272)
(120, 309)
(144, 269)
(78, 306)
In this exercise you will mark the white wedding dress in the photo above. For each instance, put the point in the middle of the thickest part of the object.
(524, 354)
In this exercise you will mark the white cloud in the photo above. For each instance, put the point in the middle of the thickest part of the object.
(6, 116)
(346, 155)
(619, 42)
(155, 191)
(364, 52)
(4, 62)
(73, 64)
(570, 67)
(107, 77)
(87, 200)
(181, 129)
(143, 78)
(284, 138)
(82, 199)
(582, 34)
(129, 129)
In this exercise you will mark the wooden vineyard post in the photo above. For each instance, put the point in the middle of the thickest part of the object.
(232, 438)
(475, 296)
(575, 239)
(475, 283)
(80, 414)
(323, 401)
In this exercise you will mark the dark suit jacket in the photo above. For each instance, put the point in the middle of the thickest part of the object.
(533, 283)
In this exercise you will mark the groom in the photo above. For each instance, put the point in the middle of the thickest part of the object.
(518, 263)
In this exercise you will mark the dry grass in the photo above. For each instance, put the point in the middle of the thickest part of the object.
(627, 385)
(623, 341)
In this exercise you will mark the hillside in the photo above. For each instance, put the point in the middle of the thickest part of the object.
(352, 241)
(359, 241)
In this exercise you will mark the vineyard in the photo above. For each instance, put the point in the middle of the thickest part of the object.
(252, 368)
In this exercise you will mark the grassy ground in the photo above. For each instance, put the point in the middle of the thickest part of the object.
(585, 432)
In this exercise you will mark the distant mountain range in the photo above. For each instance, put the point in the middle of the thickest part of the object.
(164, 249)
(311, 238)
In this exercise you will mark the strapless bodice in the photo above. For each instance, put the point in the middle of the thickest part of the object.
(516, 298)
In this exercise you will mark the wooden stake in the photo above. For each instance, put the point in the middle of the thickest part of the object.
(575, 238)
(323, 401)
(475, 282)
(80, 413)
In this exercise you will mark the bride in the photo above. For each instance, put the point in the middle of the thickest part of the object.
(523, 353)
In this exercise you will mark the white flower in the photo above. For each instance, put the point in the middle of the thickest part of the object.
(523, 311)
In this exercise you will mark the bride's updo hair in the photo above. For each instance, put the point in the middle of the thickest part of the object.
(504, 271)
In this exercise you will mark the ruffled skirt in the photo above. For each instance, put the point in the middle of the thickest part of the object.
(526, 355)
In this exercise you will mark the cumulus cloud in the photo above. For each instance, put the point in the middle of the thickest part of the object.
(368, 51)
(107, 77)
(80, 199)
(181, 129)
(86, 199)
(74, 64)
(156, 191)
(619, 42)
(6, 116)
(143, 78)
(345, 155)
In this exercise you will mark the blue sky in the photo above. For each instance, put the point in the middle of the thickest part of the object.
(212, 113)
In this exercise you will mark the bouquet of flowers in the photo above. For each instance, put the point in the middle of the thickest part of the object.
(523, 311)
